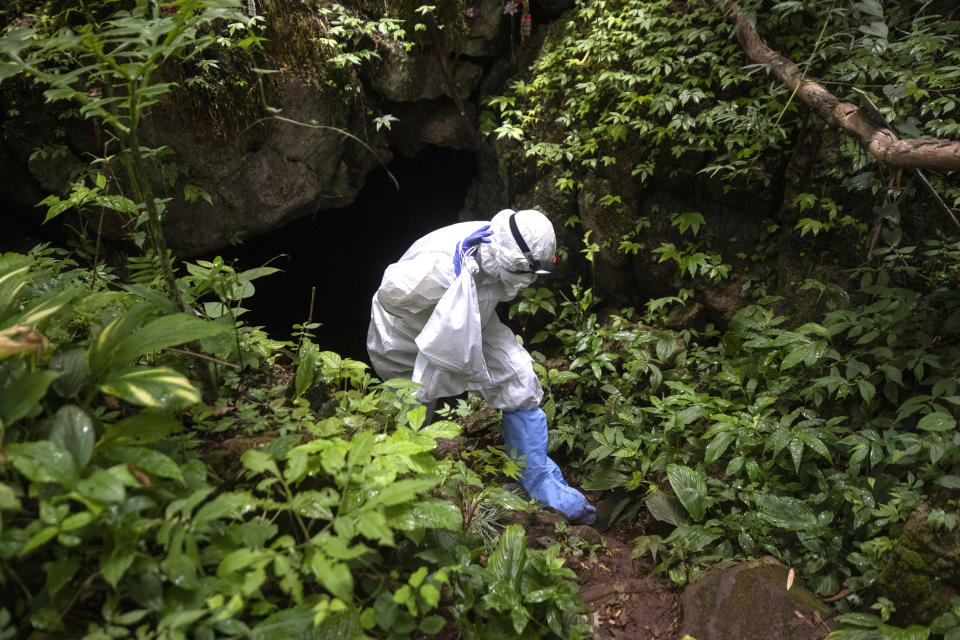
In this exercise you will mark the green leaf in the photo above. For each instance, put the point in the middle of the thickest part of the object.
(73, 429)
(145, 459)
(39, 538)
(405, 490)
(507, 560)
(42, 308)
(691, 489)
(144, 427)
(785, 512)
(114, 565)
(152, 387)
(8, 499)
(937, 421)
(44, 461)
(22, 394)
(315, 504)
(718, 446)
(240, 559)
(949, 482)
(258, 462)
(666, 508)
(103, 486)
(74, 375)
(432, 625)
(436, 513)
(334, 576)
(166, 331)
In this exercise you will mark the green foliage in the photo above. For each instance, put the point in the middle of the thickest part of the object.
(811, 442)
(107, 66)
(115, 521)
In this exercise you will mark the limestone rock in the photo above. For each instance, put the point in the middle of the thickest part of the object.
(486, 29)
(923, 571)
(403, 77)
(750, 601)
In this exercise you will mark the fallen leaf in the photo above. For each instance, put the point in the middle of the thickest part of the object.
(20, 339)
(790, 579)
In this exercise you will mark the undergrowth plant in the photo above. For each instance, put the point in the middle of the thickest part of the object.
(813, 443)
(120, 516)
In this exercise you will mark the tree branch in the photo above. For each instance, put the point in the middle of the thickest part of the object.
(917, 153)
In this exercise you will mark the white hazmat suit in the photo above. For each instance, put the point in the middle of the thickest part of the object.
(441, 329)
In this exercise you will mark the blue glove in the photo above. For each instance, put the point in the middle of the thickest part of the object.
(469, 245)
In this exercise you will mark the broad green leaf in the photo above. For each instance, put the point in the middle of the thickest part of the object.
(102, 486)
(937, 421)
(334, 576)
(949, 481)
(59, 573)
(242, 558)
(100, 354)
(436, 513)
(404, 490)
(315, 504)
(144, 427)
(666, 508)
(44, 461)
(42, 308)
(152, 387)
(145, 459)
(258, 462)
(179, 619)
(165, 331)
(913, 632)
(73, 429)
(442, 429)
(785, 512)
(22, 394)
(114, 565)
(604, 478)
(691, 489)
(718, 446)
(74, 374)
(507, 560)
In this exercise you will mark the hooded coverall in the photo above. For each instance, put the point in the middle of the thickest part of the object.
(441, 330)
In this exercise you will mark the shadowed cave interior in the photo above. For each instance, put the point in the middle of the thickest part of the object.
(343, 252)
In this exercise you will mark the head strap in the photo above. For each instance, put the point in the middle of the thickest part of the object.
(535, 265)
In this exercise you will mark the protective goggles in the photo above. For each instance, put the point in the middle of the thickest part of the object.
(536, 266)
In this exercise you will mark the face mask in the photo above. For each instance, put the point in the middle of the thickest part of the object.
(516, 281)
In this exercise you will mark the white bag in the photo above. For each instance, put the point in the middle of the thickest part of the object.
(450, 345)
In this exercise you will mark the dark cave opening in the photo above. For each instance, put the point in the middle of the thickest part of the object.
(343, 252)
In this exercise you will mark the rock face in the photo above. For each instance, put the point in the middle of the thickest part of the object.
(923, 571)
(750, 601)
(261, 175)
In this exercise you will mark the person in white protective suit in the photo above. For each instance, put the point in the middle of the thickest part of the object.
(434, 321)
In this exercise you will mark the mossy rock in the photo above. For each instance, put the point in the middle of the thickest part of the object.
(751, 601)
(923, 571)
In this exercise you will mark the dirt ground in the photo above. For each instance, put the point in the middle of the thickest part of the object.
(624, 602)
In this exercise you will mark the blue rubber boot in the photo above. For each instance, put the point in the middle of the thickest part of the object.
(526, 431)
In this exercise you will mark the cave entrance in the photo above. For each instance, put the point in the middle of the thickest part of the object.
(343, 252)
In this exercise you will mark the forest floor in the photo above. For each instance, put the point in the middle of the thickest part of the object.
(623, 600)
